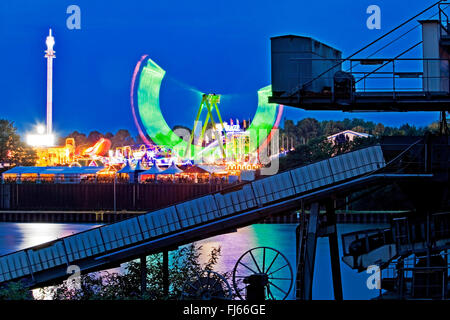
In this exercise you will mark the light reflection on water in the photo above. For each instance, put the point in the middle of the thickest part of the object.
(282, 238)
(16, 236)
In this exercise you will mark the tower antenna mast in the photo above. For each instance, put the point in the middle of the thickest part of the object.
(49, 55)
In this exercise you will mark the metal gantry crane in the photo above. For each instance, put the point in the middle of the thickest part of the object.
(310, 75)
(320, 79)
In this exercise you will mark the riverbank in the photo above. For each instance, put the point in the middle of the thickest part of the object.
(64, 216)
(350, 216)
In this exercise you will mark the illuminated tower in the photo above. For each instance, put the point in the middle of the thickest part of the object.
(49, 55)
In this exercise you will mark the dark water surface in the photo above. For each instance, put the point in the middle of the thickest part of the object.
(16, 236)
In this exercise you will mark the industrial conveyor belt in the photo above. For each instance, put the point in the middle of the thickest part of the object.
(200, 218)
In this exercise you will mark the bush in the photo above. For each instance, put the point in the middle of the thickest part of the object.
(15, 291)
(184, 265)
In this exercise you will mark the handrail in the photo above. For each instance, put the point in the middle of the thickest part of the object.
(403, 75)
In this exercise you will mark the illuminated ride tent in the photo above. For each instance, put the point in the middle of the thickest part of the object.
(50, 174)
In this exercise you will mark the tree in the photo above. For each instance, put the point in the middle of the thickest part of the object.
(320, 148)
(359, 129)
(184, 266)
(379, 129)
(122, 138)
(433, 127)
(315, 150)
(93, 137)
(80, 138)
(13, 151)
(409, 130)
(331, 127)
(290, 131)
(15, 291)
(307, 129)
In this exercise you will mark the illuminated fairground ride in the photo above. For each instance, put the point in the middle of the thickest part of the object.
(218, 142)
(229, 142)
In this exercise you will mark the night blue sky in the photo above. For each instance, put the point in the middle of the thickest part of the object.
(212, 46)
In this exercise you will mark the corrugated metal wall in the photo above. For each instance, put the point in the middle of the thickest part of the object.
(97, 196)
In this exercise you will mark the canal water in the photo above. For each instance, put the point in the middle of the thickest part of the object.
(16, 236)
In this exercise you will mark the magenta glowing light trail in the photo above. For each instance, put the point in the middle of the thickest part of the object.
(133, 82)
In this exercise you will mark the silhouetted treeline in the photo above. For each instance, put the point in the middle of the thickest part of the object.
(13, 150)
(121, 138)
(310, 128)
(309, 138)
(311, 144)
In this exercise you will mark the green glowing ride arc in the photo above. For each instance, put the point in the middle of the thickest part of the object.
(266, 118)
